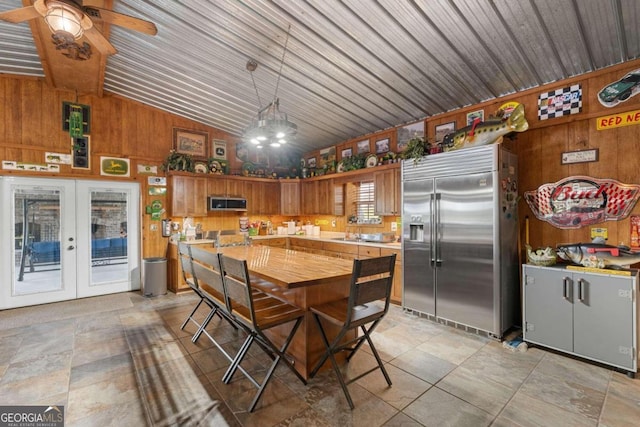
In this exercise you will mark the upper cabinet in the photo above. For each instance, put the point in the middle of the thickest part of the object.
(387, 192)
(188, 195)
(290, 197)
(318, 197)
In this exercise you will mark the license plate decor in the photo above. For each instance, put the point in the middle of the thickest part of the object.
(560, 102)
(578, 201)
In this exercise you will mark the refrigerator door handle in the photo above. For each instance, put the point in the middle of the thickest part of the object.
(432, 230)
(437, 230)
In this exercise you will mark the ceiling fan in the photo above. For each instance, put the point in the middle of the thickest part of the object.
(70, 19)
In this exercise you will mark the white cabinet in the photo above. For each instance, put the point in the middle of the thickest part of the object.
(592, 315)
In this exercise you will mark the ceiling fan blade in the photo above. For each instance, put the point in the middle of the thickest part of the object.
(121, 20)
(99, 41)
(19, 15)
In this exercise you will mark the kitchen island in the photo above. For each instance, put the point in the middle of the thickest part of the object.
(303, 279)
(332, 244)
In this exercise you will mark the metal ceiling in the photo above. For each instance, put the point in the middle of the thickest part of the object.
(352, 67)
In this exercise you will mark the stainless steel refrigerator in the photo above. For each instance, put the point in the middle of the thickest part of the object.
(459, 237)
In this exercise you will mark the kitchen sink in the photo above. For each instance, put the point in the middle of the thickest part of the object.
(344, 239)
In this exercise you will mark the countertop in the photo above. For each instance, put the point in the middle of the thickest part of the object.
(325, 236)
(329, 236)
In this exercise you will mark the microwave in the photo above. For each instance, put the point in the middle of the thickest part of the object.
(221, 203)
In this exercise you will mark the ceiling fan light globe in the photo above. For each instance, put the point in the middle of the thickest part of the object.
(64, 21)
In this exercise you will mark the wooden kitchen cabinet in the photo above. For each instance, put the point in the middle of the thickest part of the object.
(175, 279)
(290, 197)
(396, 290)
(318, 197)
(387, 192)
(268, 198)
(216, 186)
(368, 251)
(587, 314)
(188, 195)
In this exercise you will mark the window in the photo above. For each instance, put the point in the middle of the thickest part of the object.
(360, 203)
(365, 200)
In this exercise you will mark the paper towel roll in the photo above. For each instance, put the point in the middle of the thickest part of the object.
(316, 230)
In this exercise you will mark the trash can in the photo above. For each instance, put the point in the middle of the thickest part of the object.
(154, 276)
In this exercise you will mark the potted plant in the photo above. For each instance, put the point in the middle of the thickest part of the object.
(416, 148)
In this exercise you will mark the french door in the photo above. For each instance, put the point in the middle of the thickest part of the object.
(66, 239)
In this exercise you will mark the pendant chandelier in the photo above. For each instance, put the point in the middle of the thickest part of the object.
(270, 126)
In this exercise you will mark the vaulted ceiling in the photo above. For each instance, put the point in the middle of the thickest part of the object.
(351, 67)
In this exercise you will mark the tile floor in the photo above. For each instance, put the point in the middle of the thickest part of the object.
(123, 360)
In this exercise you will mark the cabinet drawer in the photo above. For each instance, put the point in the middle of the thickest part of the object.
(368, 252)
(386, 252)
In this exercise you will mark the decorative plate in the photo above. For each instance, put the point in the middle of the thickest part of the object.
(340, 167)
(215, 167)
(201, 167)
(248, 168)
(371, 161)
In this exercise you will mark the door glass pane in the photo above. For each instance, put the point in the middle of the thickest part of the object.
(109, 260)
(36, 249)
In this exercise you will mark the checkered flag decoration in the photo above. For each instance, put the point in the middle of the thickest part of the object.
(560, 102)
(578, 201)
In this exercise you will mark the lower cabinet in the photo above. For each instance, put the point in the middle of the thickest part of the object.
(592, 315)
(396, 290)
(175, 279)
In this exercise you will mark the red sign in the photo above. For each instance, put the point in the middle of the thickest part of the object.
(579, 201)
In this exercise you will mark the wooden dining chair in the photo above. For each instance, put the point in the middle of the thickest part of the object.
(371, 281)
(256, 314)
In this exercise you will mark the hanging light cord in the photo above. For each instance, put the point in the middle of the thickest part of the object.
(284, 52)
(256, 88)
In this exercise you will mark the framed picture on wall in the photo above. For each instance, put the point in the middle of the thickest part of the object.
(347, 152)
(473, 115)
(311, 162)
(382, 146)
(191, 142)
(362, 147)
(443, 129)
(219, 149)
(68, 107)
(405, 133)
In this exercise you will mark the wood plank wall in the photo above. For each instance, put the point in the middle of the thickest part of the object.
(30, 125)
(539, 149)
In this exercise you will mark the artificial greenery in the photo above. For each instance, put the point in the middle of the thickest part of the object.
(354, 162)
(178, 162)
(416, 148)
